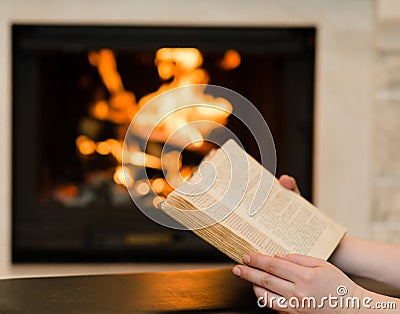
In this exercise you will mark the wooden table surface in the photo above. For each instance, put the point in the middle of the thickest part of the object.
(179, 291)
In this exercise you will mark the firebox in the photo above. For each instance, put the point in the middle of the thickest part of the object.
(75, 91)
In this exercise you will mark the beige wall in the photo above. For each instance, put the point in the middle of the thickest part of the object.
(345, 94)
(385, 182)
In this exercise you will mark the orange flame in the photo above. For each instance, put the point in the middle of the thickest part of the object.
(182, 66)
(231, 60)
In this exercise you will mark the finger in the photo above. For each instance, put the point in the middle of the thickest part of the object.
(289, 183)
(303, 260)
(275, 266)
(264, 279)
(269, 299)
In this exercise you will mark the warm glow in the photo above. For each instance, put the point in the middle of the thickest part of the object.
(198, 143)
(165, 70)
(85, 145)
(100, 110)
(231, 60)
(144, 160)
(142, 188)
(186, 59)
(174, 179)
(185, 64)
(157, 200)
(108, 71)
(123, 176)
(67, 191)
(219, 109)
(194, 135)
(121, 107)
(186, 172)
(177, 67)
(93, 57)
(115, 149)
(172, 161)
(103, 148)
(158, 185)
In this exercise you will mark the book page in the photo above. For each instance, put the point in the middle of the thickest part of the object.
(246, 198)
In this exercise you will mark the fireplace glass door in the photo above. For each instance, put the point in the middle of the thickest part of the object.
(75, 91)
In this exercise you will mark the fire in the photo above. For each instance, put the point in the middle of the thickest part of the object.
(183, 65)
(144, 160)
(231, 60)
(142, 188)
(103, 148)
(158, 185)
(115, 148)
(105, 62)
(184, 59)
(123, 176)
(177, 67)
(121, 107)
(85, 145)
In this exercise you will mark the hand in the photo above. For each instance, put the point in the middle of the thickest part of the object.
(289, 183)
(295, 277)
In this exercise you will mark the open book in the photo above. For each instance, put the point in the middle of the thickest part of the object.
(238, 206)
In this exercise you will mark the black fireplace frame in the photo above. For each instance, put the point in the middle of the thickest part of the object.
(298, 44)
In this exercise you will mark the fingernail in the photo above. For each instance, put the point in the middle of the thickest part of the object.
(246, 259)
(236, 271)
(279, 255)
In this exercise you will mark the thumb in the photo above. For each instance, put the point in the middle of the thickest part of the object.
(289, 183)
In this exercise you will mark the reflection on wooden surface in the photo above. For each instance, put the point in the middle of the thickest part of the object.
(198, 290)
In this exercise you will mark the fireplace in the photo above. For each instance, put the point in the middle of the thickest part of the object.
(71, 109)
